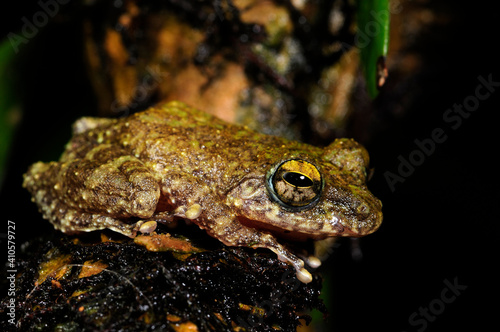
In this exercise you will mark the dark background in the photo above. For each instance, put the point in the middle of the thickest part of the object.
(440, 224)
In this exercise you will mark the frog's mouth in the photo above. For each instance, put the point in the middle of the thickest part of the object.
(286, 234)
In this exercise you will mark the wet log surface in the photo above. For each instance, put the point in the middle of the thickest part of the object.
(92, 283)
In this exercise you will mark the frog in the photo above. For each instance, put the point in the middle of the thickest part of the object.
(242, 187)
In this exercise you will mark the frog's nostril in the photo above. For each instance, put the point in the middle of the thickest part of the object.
(363, 210)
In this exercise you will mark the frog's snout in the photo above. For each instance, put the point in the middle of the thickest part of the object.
(357, 215)
(366, 217)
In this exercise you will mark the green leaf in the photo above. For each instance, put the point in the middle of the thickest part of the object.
(372, 39)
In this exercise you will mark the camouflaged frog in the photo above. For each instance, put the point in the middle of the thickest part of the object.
(241, 187)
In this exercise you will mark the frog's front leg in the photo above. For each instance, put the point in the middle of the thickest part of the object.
(198, 202)
(93, 193)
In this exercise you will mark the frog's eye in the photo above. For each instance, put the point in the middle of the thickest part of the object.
(295, 184)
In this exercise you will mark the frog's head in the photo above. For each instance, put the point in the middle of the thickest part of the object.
(307, 196)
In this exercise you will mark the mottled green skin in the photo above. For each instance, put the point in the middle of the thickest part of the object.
(172, 160)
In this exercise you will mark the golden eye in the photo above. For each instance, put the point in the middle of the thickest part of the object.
(297, 179)
(296, 184)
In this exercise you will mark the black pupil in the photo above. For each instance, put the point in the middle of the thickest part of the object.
(297, 179)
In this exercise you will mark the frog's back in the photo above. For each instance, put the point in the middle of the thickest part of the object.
(177, 115)
(176, 136)
(178, 127)
(167, 122)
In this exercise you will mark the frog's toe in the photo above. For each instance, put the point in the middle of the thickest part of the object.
(148, 227)
(304, 276)
(313, 261)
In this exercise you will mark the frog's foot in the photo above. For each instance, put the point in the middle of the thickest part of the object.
(250, 237)
(121, 188)
(313, 261)
(234, 233)
(93, 222)
(286, 256)
(71, 221)
(301, 273)
(83, 195)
